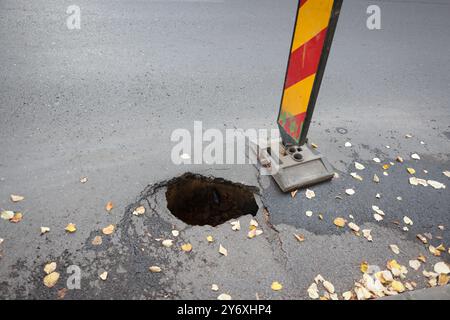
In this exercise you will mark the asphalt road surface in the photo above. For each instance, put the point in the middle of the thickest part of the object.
(102, 102)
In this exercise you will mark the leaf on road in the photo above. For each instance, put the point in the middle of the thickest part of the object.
(399, 159)
(434, 251)
(411, 170)
(310, 194)
(329, 286)
(83, 179)
(356, 176)
(175, 233)
(347, 144)
(364, 267)
(71, 228)
(367, 234)
(359, 166)
(16, 198)
(62, 293)
(313, 291)
(51, 279)
(139, 211)
(224, 296)
(441, 268)
(167, 243)
(308, 213)
(422, 258)
(97, 241)
(422, 238)
(209, 238)
(44, 230)
(443, 279)
(340, 222)
(109, 206)
(293, 193)
(253, 224)
(235, 225)
(299, 237)
(215, 287)
(7, 215)
(104, 275)
(377, 160)
(436, 184)
(394, 248)
(376, 178)
(377, 217)
(415, 264)
(187, 247)
(222, 250)
(276, 286)
(350, 192)
(347, 295)
(415, 156)
(108, 230)
(353, 226)
(154, 269)
(446, 173)
(397, 286)
(407, 220)
(386, 166)
(378, 210)
(253, 233)
(50, 267)
(17, 217)
(319, 279)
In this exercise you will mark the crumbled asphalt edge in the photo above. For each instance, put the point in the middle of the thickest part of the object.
(121, 250)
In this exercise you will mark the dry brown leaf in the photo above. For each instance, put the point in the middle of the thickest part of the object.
(399, 159)
(62, 293)
(443, 279)
(51, 279)
(422, 258)
(97, 241)
(108, 230)
(434, 251)
(16, 198)
(71, 228)
(299, 237)
(109, 206)
(17, 217)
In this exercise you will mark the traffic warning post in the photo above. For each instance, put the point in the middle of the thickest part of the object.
(299, 164)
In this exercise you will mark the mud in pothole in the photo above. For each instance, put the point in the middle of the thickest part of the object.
(200, 200)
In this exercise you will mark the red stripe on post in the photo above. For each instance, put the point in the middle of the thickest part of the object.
(304, 61)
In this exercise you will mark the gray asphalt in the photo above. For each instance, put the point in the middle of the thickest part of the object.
(103, 101)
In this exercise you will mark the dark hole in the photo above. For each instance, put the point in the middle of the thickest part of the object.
(292, 149)
(298, 156)
(199, 200)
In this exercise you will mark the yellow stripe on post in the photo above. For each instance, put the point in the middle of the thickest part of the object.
(312, 18)
(296, 98)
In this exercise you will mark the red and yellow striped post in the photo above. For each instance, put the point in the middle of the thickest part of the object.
(313, 33)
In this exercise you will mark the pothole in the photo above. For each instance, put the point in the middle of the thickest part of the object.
(200, 200)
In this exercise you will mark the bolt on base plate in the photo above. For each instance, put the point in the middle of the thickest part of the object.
(299, 166)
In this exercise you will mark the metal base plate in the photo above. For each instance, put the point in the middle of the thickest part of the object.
(293, 174)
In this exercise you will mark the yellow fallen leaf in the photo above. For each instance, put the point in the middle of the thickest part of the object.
(187, 247)
(71, 228)
(397, 286)
(340, 222)
(108, 230)
(411, 170)
(51, 279)
(443, 279)
(109, 206)
(422, 258)
(276, 286)
(209, 238)
(16, 198)
(364, 267)
(139, 211)
(386, 166)
(17, 217)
